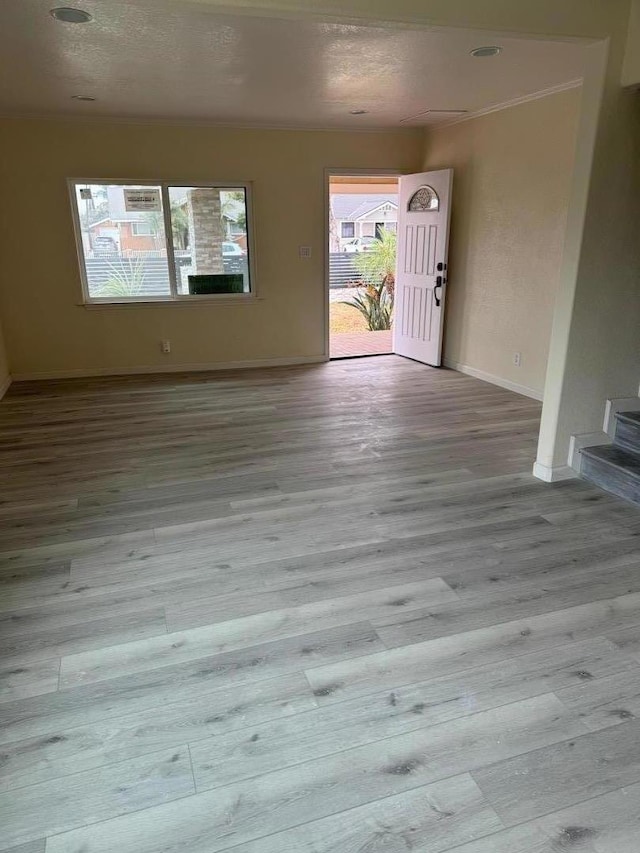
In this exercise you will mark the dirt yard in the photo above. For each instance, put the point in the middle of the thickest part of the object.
(343, 318)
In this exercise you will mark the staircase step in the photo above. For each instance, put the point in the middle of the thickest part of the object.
(628, 431)
(614, 469)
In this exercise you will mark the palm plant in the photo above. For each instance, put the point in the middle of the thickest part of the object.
(376, 306)
(377, 269)
(125, 279)
(379, 264)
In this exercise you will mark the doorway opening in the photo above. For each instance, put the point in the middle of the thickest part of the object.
(363, 220)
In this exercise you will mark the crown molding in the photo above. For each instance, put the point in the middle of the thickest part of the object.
(203, 123)
(300, 128)
(505, 105)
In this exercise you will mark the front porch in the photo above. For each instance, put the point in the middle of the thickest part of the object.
(349, 335)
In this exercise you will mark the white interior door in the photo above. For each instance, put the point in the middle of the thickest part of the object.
(421, 277)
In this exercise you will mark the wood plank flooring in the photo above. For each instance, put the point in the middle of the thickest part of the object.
(309, 610)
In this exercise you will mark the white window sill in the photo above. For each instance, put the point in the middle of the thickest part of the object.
(187, 302)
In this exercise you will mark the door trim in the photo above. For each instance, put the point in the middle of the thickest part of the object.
(338, 173)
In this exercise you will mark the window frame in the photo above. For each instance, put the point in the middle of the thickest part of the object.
(350, 222)
(174, 298)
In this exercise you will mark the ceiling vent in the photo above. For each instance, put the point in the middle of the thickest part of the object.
(433, 117)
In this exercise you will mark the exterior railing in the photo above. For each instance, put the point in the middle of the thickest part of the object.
(147, 272)
(149, 269)
(342, 270)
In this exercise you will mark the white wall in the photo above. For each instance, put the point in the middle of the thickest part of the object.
(511, 192)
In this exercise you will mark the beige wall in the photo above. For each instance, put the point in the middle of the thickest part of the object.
(593, 353)
(48, 332)
(631, 64)
(595, 345)
(511, 192)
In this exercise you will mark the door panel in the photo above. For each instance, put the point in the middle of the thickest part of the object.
(423, 236)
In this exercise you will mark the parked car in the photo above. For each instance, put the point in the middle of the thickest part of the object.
(359, 244)
(231, 249)
(104, 245)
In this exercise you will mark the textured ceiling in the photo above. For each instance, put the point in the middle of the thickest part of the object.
(153, 59)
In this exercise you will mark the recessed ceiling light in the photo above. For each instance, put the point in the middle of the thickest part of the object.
(358, 112)
(490, 50)
(82, 98)
(71, 16)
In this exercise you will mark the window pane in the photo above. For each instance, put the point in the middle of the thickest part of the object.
(123, 242)
(348, 229)
(210, 239)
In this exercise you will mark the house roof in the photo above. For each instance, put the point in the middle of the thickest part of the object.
(138, 216)
(233, 209)
(355, 205)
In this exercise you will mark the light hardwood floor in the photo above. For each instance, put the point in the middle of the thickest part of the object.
(309, 610)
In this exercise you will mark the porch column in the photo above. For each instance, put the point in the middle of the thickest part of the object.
(205, 230)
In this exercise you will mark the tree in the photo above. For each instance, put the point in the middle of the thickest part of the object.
(179, 225)
(156, 223)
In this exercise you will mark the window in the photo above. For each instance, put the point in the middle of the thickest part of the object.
(348, 229)
(142, 229)
(423, 199)
(162, 242)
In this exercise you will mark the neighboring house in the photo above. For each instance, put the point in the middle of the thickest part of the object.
(133, 231)
(361, 215)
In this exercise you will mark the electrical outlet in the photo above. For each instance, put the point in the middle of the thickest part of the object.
(165, 346)
(517, 359)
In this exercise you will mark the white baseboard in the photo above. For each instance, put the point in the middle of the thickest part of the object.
(4, 386)
(618, 404)
(584, 439)
(553, 475)
(494, 380)
(172, 368)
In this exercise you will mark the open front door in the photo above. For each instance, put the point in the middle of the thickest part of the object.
(421, 277)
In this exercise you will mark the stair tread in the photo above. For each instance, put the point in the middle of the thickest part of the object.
(626, 460)
(629, 417)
